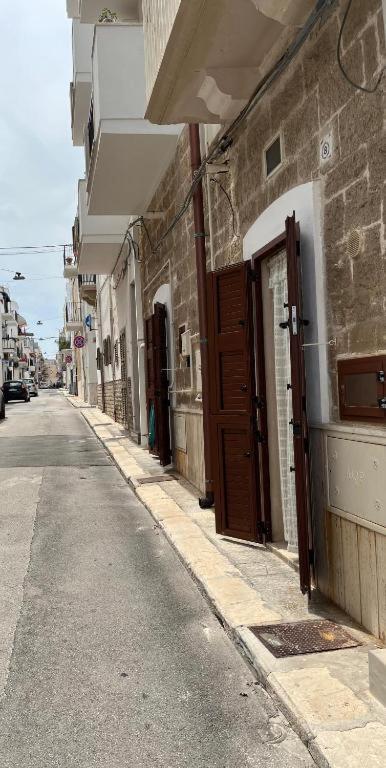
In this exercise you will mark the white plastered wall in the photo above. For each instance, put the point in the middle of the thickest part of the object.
(305, 200)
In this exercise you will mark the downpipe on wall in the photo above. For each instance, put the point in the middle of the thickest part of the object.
(199, 239)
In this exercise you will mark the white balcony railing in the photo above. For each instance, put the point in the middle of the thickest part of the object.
(73, 320)
(9, 345)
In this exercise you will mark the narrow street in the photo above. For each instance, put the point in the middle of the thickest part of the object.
(109, 655)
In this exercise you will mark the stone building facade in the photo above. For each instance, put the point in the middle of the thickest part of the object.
(332, 173)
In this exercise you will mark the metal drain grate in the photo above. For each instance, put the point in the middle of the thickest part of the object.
(303, 637)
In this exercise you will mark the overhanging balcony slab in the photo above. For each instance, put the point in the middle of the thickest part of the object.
(100, 238)
(129, 160)
(129, 155)
(81, 87)
(80, 95)
(204, 58)
(72, 9)
(126, 10)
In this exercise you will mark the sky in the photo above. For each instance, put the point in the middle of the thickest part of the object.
(39, 167)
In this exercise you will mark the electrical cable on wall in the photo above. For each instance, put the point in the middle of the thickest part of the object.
(339, 56)
(218, 182)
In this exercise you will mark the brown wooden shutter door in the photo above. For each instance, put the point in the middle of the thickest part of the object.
(233, 433)
(300, 425)
(161, 384)
(157, 381)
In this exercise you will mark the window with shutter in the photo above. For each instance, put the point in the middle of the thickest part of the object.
(362, 389)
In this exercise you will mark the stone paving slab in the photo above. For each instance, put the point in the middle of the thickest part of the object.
(325, 696)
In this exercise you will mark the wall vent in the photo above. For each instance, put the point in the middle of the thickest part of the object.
(272, 156)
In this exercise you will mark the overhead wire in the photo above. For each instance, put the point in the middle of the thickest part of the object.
(359, 87)
(228, 197)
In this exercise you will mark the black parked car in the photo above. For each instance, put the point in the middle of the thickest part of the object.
(2, 404)
(16, 390)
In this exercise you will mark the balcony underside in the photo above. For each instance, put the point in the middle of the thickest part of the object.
(128, 162)
(98, 253)
(216, 54)
(87, 292)
(71, 326)
(81, 107)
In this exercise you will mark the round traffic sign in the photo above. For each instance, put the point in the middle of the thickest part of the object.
(79, 342)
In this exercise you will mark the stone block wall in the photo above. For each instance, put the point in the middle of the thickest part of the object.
(118, 401)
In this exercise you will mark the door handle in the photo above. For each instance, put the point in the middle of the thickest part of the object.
(243, 387)
(247, 454)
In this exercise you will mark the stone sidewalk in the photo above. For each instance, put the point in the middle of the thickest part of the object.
(325, 696)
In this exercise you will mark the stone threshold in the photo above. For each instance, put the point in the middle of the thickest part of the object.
(325, 696)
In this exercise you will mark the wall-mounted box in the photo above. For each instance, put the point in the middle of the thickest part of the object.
(357, 478)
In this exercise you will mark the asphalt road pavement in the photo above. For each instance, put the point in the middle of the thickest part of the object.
(109, 655)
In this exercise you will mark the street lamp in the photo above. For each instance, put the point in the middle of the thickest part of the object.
(18, 276)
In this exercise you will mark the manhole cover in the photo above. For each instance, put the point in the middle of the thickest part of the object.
(303, 637)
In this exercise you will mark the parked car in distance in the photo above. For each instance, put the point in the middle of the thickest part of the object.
(32, 387)
(2, 404)
(16, 390)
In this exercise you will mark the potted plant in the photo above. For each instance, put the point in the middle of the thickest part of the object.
(107, 16)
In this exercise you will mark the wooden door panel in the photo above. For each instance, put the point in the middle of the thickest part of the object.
(298, 389)
(157, 392)
(230, 337)
(234, 390)
(235, 476)
(233, 433)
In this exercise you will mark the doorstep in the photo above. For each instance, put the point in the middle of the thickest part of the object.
(325, 696)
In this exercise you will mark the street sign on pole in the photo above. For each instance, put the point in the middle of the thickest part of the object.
(79, 342)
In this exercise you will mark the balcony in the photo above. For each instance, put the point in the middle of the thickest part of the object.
(87, 288)
(204, 58)
(126, 10)
(128, 155)
(70, 268)
(9, 345)
(72, 317)
(99, 237)
(80, 89)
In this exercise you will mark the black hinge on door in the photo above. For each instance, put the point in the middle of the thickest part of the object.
(263, 528)
(258, 401)
(260, 437)
(382, 402)
(296, 428)
(311, 557)
(381, 376)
